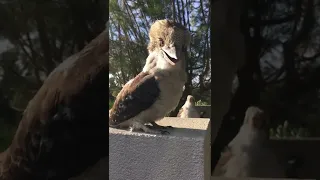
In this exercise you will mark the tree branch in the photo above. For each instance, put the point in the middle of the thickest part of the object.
(303, 58)
(44, 40)
(269, 22)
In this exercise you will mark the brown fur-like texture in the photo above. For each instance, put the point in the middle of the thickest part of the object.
(135, 97)
(169, 31)
(251, 155)
(188, 110)
(64, 127)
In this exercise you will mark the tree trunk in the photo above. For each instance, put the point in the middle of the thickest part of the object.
(226, 60)
(233, 120)
(248, 93)
(293, 83)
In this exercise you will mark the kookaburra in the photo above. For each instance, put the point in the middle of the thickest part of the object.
(64, 127)
(251, 155)
(158, 88)
(188, 110)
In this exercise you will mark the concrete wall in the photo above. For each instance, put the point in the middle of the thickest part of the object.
(184, 154)
(177, 156)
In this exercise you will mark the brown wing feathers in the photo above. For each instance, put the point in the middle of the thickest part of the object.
(134, 98)
(64, 126)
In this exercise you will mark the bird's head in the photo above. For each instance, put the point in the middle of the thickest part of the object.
(191, 99)
(256, 118)
(171, 39)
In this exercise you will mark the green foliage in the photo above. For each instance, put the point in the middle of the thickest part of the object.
(129, 25)
(204, 96)
(201, 103)
(110, 104)
(306, 111)
(287, 131)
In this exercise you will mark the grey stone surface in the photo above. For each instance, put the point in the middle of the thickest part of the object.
(141, 156)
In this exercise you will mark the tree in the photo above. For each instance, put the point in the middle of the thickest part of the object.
(267, 26)
(129, 25)
(41, 36)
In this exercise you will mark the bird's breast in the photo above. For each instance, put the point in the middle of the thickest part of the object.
(171, 92)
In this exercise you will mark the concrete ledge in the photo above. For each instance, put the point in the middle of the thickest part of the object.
(179, 155)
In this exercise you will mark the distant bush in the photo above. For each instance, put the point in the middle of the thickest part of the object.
(110, 104)
(286, 130)
(201, 103)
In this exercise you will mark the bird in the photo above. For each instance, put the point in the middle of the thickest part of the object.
(251, 155)
(64, 127)
(157, 89)
(188, 110)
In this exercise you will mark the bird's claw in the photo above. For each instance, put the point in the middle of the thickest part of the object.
(156, 126)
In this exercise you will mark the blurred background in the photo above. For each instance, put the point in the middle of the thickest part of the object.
(34, 38)
(282, 73)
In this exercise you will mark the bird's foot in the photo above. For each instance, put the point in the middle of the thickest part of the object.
(157, 126)
(147, 129)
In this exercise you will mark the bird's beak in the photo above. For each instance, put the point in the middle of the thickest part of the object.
(172, 54)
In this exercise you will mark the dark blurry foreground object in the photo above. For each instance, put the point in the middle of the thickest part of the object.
(251, 155)
(227, 59)
(64, 127)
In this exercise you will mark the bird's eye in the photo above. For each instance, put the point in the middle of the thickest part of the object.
(161, 42)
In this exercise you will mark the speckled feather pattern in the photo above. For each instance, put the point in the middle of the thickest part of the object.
(134, 98)
(170, 32)
(155, 94)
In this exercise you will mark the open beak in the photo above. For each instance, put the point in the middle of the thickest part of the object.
(171, 54)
